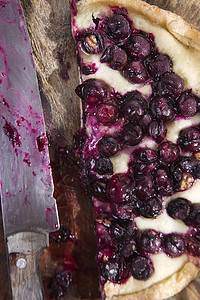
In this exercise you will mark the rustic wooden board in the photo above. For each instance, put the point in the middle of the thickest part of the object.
(48, 23)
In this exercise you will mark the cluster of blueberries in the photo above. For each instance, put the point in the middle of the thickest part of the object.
(123, 249)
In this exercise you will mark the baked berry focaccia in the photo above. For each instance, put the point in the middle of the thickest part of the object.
(140, 144)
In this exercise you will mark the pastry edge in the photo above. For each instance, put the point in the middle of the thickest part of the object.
(186, 33)
(161, 290)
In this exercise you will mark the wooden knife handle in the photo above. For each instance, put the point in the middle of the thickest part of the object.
(24, 249)
(24, 276)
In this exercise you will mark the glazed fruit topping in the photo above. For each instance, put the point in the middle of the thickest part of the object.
(124, 212)
(144, 160)
(108, 146)
(170, 84)
(117, 28)
(134, 106)
(131, 135)
(162, 109)
(121, 188)
(194, 216)
(147, 155)
(115, 57)
(107, 113)
(135, 72)
(141, 267)
(187, 104)
(189, 139)
(193, 244)
(150, 241)
(183, 171)
(168, 152)
(149, 207)
(138, 46)
(103, 165)
(99, 188)
(110, 270)
(174, 245)
(118, 230)
(92, 91)
(157, 130)
(179, 208)
(163, 182)
(92, 42)
(144, 185)
(160, 65)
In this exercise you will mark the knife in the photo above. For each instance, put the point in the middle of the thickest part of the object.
(28, 208)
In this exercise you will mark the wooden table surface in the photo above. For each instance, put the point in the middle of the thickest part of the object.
(54, 16)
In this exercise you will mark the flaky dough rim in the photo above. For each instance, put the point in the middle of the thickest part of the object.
(184, 32)
(164, 289)
(188, 35)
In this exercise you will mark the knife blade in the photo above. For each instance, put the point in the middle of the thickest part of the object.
(28, 208)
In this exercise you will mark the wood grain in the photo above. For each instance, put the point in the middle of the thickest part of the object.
(54, 53)
(48, 22)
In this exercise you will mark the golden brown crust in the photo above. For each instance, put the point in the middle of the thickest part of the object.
(184, 32)
(164, 289)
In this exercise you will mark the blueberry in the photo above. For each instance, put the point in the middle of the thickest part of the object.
(123, 212)
(110, 270)
(170, 84)
(121, 188)
(168, 152)
(128, 248)
(60, 284)
(150, 241)
(147, 155)
(135, 72)
(118, 229)
(103, 209)
(138, 46)
(92, 42)
(108, 146)
(189, 139)
(148, 208)
(160, 65)
(114, 270)
(105, 240)
(92, 91)
(157, 130)
(179, 208)
(144, 185)
(134, 106)
(117, 28)
(141, 267)
(163, 182)
(107, 113)
(103, 165)
(194, 216)
(144, 122)
(99, 188)
(193, 244)
(187, 104)
(131, 135)
(115, 57)
(183, 171)
(174, 245)
(145, 160)
(162, 109)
